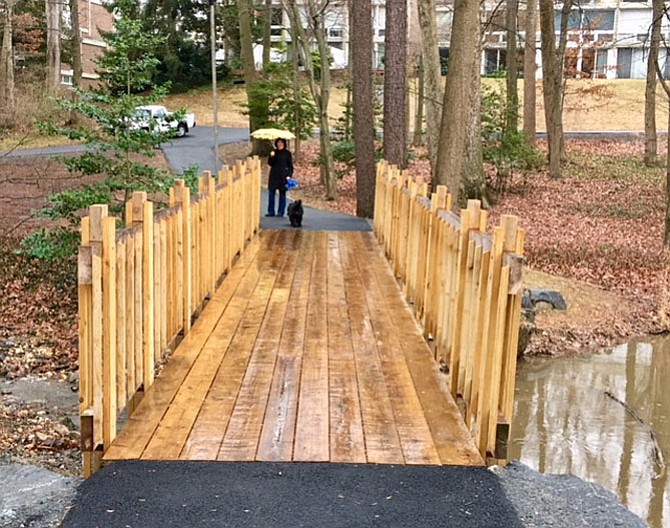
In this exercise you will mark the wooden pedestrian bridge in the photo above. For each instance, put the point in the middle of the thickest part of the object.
(202, 337)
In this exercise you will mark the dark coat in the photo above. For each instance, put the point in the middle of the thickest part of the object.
(281, 168)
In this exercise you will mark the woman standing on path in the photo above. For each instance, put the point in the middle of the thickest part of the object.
(281, 163)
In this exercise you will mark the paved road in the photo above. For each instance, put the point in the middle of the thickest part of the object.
(218, 494)
(196, 148)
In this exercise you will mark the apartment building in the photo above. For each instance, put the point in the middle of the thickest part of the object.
(607, 38)
(93, 18)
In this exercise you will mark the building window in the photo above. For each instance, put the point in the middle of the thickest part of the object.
(381, 32)
(378, 59)
(277, 16)
(66, 78)
(335, 32)
(495, 61)
(588, 20)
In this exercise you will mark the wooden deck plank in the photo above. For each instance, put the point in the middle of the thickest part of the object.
(312, 422)
(246, 422)
(347, 442)
(382, 443)
(452, 440)
(307, 352)
(130, 443)
(415, 437)
(276, 441)
(239, 328)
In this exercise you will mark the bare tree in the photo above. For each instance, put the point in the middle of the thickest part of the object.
(361, 42)
(7, 59)
(77, 69)
(395, 80)
(553, 58)
(417, 140)
(314, 31)
(53, 14)
(458, 97)
(529, 71)
(650, 139)
(434, 87)
(512, 117)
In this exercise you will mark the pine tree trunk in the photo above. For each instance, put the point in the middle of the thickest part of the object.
(77, 69)
(474, 180)
(361, 42)
(529, 72)
(552, 79)
(267, 33)
(650, 139)
(53, 14)
(666, 233)
(250, 76)
(295, 59)
(434, 94)
(330, 181)
(420, 102)
(7, 60)
(395, 77)
(512, 117)
(458, 99)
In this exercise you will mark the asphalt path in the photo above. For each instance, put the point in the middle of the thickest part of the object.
(196, 148)
(218, 494)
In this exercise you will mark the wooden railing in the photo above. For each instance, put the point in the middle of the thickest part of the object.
(140, 287)
(465, 288)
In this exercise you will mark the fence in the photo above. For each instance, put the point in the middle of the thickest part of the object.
(140, 287)
(465, 288)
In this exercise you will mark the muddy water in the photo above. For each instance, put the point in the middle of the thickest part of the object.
(566, 423)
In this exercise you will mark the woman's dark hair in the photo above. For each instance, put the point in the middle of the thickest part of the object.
(282, 140)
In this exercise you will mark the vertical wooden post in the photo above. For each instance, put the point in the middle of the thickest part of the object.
(97, 214)
(109, 287)
(183, 197)
(121, 327)
(148, 291)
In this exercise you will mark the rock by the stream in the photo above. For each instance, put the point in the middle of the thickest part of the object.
(33, 497)
(559, 501)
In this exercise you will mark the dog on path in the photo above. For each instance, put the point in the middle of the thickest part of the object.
(295, 212)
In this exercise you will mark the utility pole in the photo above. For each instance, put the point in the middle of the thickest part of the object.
(215, 95)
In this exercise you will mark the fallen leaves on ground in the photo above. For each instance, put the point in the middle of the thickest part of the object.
(602, 223)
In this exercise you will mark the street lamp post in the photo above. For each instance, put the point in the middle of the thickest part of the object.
(215, 95)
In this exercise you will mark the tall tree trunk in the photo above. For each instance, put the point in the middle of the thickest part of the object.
(53, 14)
(295, 59)
(330, 180)
(512, 117)
(361, 42)
(474, 180)
(395, 80)
(432, 68)
(465, 40)
(319, 87)
(552, 79)
(267, 33)
(77, 69)
(529, 72)
(650, 139)
(666, 231)
(7, 60)
(420, 102)
(250, 75)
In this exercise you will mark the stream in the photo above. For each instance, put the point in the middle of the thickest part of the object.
(604, 418)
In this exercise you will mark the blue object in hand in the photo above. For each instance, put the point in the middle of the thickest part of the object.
(291, 183)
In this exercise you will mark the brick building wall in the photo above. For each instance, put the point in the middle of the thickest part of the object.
(93, 18)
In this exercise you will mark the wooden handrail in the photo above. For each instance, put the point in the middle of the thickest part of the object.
(140, 287)
(465, 289)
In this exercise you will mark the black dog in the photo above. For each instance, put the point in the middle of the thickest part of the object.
(295, 213)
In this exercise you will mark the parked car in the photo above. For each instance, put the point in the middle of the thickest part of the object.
(157, 117)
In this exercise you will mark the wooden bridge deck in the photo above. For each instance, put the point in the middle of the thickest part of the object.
(307, 352)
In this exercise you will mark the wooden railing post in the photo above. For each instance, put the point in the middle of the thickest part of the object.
(183, 197)
(109, 286)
